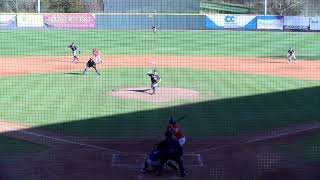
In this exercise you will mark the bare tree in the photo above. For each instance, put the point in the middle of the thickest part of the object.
(284, 7)
(65, 6)
(17, 6)
(279, 7)
(9, 6)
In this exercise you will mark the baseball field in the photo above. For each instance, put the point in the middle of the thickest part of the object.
(245, 106)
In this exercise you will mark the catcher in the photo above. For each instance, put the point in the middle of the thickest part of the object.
(155, 79)
(90, 64)
(291, 55)
(96, 56)
(75, 52)
(152, 160)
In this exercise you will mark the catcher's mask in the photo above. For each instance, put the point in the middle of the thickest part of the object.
(155, 147)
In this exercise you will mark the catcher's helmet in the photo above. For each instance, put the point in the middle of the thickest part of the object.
(155, 146)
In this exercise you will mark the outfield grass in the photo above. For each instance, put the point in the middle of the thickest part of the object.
(232, 103)
(179, 43)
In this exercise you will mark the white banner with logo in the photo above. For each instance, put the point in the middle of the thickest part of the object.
(270, 22)
(315, 23)
(296, 22)
(231, 22)
(30, 20)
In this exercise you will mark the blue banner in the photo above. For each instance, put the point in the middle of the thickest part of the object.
(8, 21)
(315, 23)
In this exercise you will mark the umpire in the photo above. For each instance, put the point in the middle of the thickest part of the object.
(90, 64)
(170, 150)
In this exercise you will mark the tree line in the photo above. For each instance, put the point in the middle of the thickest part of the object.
(275, 7)
(50, 6)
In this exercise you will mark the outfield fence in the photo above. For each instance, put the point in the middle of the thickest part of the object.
(167, 21)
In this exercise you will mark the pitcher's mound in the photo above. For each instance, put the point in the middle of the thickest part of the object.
(163, 94)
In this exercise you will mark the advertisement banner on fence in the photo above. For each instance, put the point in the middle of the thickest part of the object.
(8, 21)
(296, 22)
(77, 21)
(30, 20)
(315, 23)
(270, 22)
(231, 22)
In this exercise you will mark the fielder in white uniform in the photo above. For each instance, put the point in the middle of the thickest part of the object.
(291, 55)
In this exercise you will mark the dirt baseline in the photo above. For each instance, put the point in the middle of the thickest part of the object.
(304, 69)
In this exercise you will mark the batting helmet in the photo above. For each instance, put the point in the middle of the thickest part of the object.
(172, 121)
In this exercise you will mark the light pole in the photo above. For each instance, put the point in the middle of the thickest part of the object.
(38, 6)
(265, 6)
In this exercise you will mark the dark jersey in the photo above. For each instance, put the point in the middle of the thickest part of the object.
(171, 148)
(290, 51)
(91, 63)
(73, 47)
(154, 78)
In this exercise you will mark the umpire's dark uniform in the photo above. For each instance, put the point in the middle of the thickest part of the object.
(90, 64)
(171, 150)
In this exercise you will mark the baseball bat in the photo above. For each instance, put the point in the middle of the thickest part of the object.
(181, 118)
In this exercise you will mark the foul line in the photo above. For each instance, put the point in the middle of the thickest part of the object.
(68, 141)
(258, 139)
